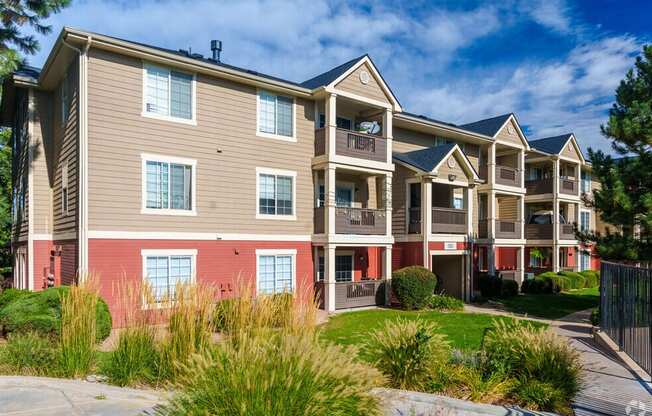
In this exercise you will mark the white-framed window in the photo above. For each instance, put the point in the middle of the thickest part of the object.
(275, 194)
(168, 185)
(164, 269)
(344, 195)
(275, 116)
(585, 221)
(343, 268)
(64, 188)
(586, 182)
(168, 94)
(275, 270)
(458, 202)
(65, 98)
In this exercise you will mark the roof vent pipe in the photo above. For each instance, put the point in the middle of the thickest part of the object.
(216, 47)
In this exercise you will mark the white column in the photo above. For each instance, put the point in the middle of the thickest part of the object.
(578, 179)
(491, 164)
(555, 215)
(329, 197)
(426, 218)
(387, 273)
(315, 257)
(387, 132)
(330, 124)
(387, 196)
(329, 277)
(521, 215)
(521, 167)
(469, 212)
(491, 215)
(491, 259)
(520, 265)
(555, 176)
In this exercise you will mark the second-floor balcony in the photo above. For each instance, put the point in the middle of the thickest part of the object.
(568, 186)
(507, 229)
(545, 231)
(444, 221)
(505, 175)
(348, 220)
(353, 144)
(539, 186)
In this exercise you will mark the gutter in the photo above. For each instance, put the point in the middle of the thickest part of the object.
(443, 126)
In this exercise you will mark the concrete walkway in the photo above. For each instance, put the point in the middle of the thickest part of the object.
(50, 396)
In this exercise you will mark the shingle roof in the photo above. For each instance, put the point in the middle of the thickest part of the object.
(421, 116)
(425, 159)
(489, 126)
(330, 75)
(553, 145)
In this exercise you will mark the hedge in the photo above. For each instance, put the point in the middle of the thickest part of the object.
(496, 287)
(23, 311)
(551, 282)
(413, 286)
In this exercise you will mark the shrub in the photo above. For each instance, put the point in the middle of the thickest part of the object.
(575, 280)
(29, 353)
(413, 286)
(553, 282)
(469, 383)
(540, 395)
(527, 353)
(407, 352)
(592, 278)
(535, 286)
(134, 359)
(26, 311)
(489, 285)
(595, 317)
(508, 288)
(78, 329)
(445, 303)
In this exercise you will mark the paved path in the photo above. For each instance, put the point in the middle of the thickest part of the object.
(27, 396)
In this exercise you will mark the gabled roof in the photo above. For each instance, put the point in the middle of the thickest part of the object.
(330, 75)
(429, 159)
(553, 145)
(28, 72)
(488, 126)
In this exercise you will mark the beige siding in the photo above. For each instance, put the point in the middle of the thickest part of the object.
(406, 140)
(399, 209)
(66, 150)
(513, 137)
(569, 151)
(475, 210)
(41, 144)
(444, 170)
(353, 85)
(20, 163)
(507, 209)
(224, 144)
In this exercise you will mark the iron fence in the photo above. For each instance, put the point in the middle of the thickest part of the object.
(626, 309)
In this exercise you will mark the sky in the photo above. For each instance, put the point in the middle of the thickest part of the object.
(553, 63)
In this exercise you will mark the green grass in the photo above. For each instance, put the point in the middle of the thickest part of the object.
(553, 306)
(464, 330)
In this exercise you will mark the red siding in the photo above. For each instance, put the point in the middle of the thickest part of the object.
(42, 251)
(67, 251)
(407, 254)
(506, 258)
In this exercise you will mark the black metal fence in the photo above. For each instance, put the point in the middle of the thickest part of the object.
(626, 309)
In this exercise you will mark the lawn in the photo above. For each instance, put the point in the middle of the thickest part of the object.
(553, 306)
(464, 330)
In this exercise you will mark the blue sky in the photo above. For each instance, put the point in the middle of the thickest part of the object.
(554, 63)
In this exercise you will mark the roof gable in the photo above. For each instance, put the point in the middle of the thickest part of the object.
(564, 145)
(489, 126)
(431, 159)
(331, 75)
(511, 133)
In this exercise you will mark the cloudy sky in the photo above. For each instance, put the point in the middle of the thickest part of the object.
(553, 63)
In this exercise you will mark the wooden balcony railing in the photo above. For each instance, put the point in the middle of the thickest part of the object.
(414, 221)
(568, 186)
(508, 229)
(507, 176)
(449, 220)
(538, 231)
(353, 144)
(566, 232)
(360, 221)
(539, 186)
(354, 294)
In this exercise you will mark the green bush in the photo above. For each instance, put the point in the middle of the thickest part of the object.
(413, 286)
(408, 353)
(595, 317)
(276, 374)
(489, 285)
(445, 303)
(134, 360)
(575, 280)
(536, 286)
(508, 288)
(553, 282)
(29, 353)
(9, 295)
(41, 312)
(592, 278)
(540, 395)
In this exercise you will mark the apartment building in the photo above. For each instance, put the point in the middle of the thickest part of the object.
(134, 162)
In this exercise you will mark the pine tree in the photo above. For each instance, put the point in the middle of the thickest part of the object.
(625, 196)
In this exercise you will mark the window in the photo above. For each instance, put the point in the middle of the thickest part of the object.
(586, 182)
(168, 93)
(585, 221)
(343, 195)
(585, 260)
(343, 268)
(441, 141)
(168, 185)
(458, 202)
(164, 269)
(535, 174)
(275, 115)
(275, 190)
(64, 189)
(65, 98)
(275, 271)
(340, 122)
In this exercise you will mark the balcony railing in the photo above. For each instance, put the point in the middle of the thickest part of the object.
(354, 294)
(504, 229)
(507, 176)
(568, 186)
(538, 231)
(353, 221)
(539, 186)
(414, 221)
(353, 144)
(449, 220)
(566, 232)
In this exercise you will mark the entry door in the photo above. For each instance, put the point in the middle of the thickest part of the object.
(450, 272)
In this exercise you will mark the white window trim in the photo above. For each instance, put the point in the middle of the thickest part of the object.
(270, 171)
(345, 253)
(146, 157)
(587, 211)
(277, 252)
(259, 133)
(166, 253)
(193, 92)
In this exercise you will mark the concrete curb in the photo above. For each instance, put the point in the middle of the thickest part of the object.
(607, 343)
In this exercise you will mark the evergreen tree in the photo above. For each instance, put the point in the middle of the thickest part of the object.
(625, 196)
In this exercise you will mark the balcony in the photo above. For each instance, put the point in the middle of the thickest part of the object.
(568, 186)
(539, 186)
(354, 294)
(504, 229)
(504, 175)
(449, 221)
(360, 221)
(566, 232)
(353, 144)
(538, 231)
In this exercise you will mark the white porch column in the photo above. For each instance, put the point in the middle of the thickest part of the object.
(578, 179)
(469, 212)
(329, 277)
(330, 124)
(520, 215)
(491, 215)
(555, 214)
(466, 262)
(387, 196)
(520, 265)
(426, 218)
(555, 176)
(329, 197)
(387, 132)
(521, 167)
(491, 259)
(491, 164)
(315, 263)
(576, 268)
(387, 273)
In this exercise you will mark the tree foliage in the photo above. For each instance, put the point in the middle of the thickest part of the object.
(625, 195)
